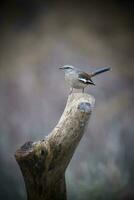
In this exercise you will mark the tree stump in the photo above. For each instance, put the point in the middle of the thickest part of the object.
(43, 163)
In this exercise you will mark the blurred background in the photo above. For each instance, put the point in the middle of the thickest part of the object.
(36, 37)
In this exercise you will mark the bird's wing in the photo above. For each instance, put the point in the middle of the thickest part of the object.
(85, 78)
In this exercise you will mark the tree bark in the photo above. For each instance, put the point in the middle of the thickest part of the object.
(43, 163)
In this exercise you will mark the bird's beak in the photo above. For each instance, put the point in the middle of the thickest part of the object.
(61, 68)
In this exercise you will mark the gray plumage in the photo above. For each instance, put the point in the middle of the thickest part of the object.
(78, 79)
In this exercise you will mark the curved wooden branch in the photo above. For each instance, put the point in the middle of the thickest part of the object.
(43, 163)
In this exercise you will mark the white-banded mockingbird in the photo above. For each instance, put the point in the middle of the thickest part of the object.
(78, 79)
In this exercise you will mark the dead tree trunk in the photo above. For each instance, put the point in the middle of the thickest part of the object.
(43, 163)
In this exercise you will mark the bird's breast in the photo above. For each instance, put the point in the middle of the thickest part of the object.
(73, 81)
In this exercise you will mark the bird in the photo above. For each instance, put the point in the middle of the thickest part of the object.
(78, 79)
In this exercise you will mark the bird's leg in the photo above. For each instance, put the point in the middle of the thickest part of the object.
(71, 90)
(82, 90)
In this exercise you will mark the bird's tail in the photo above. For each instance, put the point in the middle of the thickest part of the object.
(99, 71)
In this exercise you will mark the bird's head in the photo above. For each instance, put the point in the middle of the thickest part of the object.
(67, 68)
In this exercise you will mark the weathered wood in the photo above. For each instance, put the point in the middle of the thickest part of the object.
(43, 163)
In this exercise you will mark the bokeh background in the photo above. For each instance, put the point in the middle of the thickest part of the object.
(36, 37)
